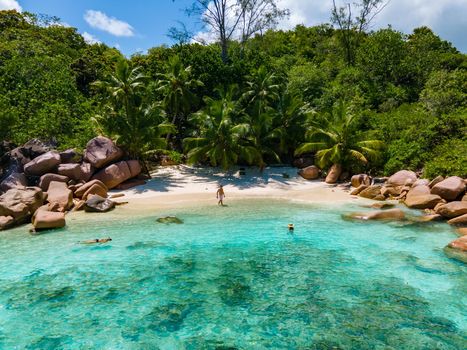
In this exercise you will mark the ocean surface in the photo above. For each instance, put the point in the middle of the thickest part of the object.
(233, 278)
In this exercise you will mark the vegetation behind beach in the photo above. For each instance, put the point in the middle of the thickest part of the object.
(390, 101)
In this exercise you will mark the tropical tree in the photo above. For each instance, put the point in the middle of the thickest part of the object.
(128, 116)
(176, 86)
(261, 94)
(336, 140)
(221, 140)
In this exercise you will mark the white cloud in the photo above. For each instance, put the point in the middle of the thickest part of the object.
(90, 39)
(10, 5)
(99, 20)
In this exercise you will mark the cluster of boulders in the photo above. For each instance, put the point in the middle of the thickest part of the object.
(41, 184)
(440, 198)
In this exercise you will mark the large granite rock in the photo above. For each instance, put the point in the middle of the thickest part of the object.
(46, 179)
(6, 222)
(21, 203)
(309, 173)
(84, 188)
(358, 190)
(402, 177)
(360, 179)
(420, 197)
(75, 171)
(459, 221)
(14, 180)
(457, 249)
(59, 193)
(333, 174)
(452, 209)
(44, 219)
(98, 204)
(390, 214)
(371, 192)
(43, 164)
(115, 174)
(435, 181)
(27, 152)
(95, 189)
(70, 156)
(101, 151)
(450, 188)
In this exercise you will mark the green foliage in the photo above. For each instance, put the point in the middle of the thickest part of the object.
(336, 139)
(410, 88)
(449, 158)
(136, 123)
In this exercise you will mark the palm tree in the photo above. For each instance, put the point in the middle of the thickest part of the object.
(336, 141)
(221, 141)
(177, 85)
(261, 94)
(128, 117)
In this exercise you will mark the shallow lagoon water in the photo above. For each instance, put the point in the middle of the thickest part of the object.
(233, 278)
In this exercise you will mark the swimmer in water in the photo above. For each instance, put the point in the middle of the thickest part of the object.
(97, 240)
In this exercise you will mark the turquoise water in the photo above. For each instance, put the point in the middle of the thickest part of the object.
(233, 278)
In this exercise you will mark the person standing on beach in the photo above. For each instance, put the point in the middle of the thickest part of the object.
(220, 195)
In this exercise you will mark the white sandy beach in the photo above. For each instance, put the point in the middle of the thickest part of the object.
(174, 186)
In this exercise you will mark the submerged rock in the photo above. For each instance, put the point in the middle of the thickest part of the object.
(390, 214)
(457, 249)
(170, 220)
(98, 204)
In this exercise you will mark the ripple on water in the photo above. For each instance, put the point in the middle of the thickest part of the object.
(236, 280)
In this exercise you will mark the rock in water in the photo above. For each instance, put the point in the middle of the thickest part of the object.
(419, 197)
(101, 151)
(21, 203)
(452, 209)
(457, 249)
(402, 177)
(449, 189)
(390, 214)
(6, 222)
(309, 173)
(459, 221)
(170, 220)
(98, 204)
(43, 164)
(44, 219)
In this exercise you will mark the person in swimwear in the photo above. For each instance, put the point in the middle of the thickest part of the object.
(220, 195)
(97, 240)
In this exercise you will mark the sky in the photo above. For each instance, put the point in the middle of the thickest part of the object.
(137, 25)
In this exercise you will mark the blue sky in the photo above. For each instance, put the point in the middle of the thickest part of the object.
(137, 25)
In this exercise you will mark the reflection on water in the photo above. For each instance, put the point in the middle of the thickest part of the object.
(235, 280)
